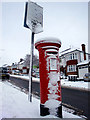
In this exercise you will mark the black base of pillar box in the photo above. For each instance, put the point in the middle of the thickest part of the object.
(45, 111)
(59, 111)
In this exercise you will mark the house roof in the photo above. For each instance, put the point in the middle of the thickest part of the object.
(69, 51)
(21, 62)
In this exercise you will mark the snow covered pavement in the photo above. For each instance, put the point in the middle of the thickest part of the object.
(14, 104)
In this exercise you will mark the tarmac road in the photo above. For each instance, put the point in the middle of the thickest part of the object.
(76, 98)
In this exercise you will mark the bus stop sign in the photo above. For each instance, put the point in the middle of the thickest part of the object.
(33, 17)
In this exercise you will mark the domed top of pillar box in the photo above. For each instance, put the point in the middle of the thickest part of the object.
(49, 42)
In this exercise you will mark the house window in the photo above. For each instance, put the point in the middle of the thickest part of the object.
(73, 56)
(24, 71)
(71, 68)
(89, 57)
(70, 56)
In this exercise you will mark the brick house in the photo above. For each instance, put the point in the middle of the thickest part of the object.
(69, 59)
(9, 69)
(13, 68)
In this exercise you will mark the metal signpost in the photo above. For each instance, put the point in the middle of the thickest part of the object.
(34, 21)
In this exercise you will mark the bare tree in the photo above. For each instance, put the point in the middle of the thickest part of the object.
(35, 61)
(27, 60)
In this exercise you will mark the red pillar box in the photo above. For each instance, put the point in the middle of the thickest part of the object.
(50, 89)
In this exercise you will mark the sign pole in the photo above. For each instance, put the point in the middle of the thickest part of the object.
(33, 20)
(31, 67)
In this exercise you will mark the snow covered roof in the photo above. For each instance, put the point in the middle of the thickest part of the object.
(21, 62)
(83, 63)
(69, 51)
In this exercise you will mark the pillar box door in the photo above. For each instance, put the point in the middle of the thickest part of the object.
(50, 88)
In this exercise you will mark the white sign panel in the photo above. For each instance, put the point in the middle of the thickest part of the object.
(53, 64)
(35, 17)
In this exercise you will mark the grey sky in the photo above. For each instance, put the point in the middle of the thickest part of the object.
(66, 21)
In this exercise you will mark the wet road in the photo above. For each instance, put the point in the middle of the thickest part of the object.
(77, 98)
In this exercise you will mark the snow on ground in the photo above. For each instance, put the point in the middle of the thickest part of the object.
(26, 77)
(77, 84)
(15, 104)
(64, 82)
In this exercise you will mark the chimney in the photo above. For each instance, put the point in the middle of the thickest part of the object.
(84, 51)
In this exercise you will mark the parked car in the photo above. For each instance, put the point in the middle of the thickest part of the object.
(34, 74)
(63, 76)
(4, 73)
(16, 72)
(87, 77)
(37, 74)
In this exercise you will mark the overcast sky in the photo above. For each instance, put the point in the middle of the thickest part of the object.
(67, 21)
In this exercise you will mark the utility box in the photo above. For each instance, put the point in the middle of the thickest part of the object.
(49, 67)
